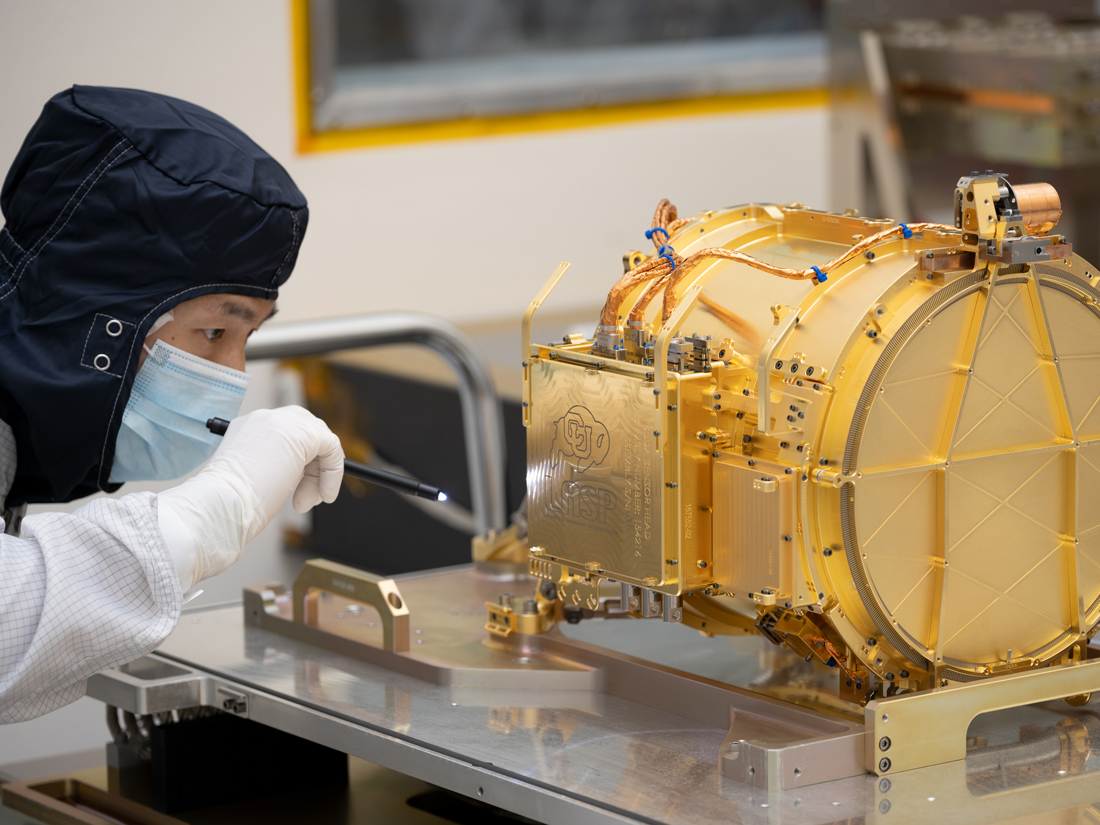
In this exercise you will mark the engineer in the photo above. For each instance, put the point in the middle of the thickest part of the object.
(145, 239)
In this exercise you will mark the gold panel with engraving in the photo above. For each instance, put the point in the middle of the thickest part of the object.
(594, 475)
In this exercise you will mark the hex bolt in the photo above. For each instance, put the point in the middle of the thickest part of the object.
(884, 743)
(884, 764)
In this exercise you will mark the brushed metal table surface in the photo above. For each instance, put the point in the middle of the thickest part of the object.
(575, 756)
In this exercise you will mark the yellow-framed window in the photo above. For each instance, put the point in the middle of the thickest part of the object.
(378, 72)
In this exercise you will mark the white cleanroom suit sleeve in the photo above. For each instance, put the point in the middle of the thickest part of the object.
(79, 593)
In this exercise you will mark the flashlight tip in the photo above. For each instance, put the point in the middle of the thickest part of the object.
(442, 497)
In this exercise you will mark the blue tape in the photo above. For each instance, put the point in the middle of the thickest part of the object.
(669, 259)
(650, 232)
(821, 277)
(665, 250)
(906, 232)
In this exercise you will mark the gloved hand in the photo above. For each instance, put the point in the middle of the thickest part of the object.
(263, 457)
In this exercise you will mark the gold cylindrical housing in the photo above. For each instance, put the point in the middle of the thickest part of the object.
(1040, 207)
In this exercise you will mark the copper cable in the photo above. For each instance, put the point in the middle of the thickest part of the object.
(637, 315)
(686, 265)
(643, 272)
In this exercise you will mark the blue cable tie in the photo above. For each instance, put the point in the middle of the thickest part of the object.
(821, 277)
(665, 250)
(906, 232)
(669, 259)
(649, 232)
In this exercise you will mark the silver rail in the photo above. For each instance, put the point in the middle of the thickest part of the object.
(483, 423)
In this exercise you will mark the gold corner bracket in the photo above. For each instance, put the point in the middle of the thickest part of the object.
(322, 576)
(916, 730)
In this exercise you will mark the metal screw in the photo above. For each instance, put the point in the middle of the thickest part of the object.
(783, 445)
(702, 564)
(885, 784)
(823, 462)
(787, 538)
(826, 552)
(752, 463)
(884, 764)
(889, 677)
(884, 743)
(657, 433)
(872, 333)
(871, 641)
(745, 439)
(715, 454)
(884, 806)
(788, 471)
(869, 255)
(904, 674)
(717, 406)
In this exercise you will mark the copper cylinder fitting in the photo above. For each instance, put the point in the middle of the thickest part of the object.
(1040, 207)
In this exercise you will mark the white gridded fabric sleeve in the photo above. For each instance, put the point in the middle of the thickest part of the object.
(80, 593)
(180, 543)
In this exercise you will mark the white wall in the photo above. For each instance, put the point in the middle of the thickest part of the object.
(468, 230)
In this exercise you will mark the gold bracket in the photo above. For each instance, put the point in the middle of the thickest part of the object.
(320, 575)
(916, 730)
(504, 620)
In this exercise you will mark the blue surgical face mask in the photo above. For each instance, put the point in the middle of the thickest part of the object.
(163, 434)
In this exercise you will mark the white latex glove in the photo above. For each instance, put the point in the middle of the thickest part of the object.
(263, 457)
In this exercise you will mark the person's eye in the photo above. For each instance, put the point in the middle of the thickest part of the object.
(214, 334)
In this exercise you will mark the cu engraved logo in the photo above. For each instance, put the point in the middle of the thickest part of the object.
(581, 443)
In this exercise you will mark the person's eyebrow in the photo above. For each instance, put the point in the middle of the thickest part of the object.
(244, 312)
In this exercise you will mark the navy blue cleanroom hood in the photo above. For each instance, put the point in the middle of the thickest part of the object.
(120, 205)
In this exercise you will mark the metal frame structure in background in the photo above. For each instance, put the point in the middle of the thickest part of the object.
(482, 419)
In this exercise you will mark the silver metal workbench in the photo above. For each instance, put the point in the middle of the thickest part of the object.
(580, 750)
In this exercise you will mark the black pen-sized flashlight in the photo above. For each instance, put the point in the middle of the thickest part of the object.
(401, 484)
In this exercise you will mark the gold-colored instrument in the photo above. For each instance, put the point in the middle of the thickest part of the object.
(876, 444)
